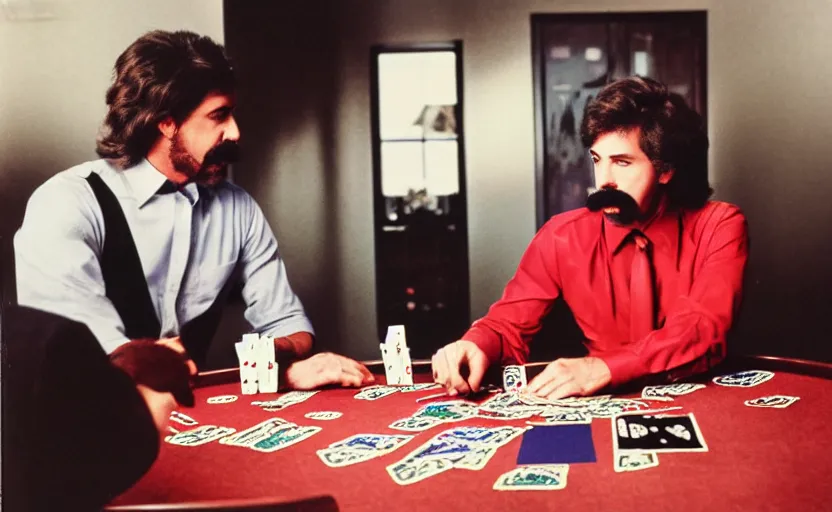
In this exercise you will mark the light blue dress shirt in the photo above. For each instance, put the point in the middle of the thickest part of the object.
(189, 242)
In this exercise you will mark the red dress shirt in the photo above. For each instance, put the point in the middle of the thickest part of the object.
(698, 259)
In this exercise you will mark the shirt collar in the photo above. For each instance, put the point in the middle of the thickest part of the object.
(144, 181)
(662, 229)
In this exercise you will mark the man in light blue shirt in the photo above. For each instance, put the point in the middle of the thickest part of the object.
(147, 242)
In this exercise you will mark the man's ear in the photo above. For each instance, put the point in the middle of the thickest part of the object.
(167, 127)
(666, 176)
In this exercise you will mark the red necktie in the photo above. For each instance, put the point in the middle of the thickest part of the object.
(642, 301)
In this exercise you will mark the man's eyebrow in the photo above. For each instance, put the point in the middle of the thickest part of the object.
(223, 109)
(620, 156)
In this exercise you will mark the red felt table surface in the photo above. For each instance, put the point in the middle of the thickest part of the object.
(757, 459)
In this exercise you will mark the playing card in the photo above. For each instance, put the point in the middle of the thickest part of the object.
(391, 366)
(323, 415)
(634, 461)
(568, 418)
(200, 435)
(285, 400)
(182, 419)
(283, 438)
(456, 410)
(375, 392)
(657, 434)
(507, 414)
(222, 399)
(246, 355)
(514, 378)
(406, 367)
(613, 406)
(414, 470)
(266, 365)
(746, 379)
(483, 436)
(414, 424)
(533, 478)
(419, 387)
(774, 401)
(670, 390)
(256, 433)
(359, 448)
(394, 344)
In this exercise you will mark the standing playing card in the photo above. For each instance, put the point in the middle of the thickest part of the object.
(514, 378)
(396, 357)
(246, 354)
(634, 432)
(266, 365)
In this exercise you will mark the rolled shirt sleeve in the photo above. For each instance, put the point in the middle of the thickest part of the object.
(272, 308)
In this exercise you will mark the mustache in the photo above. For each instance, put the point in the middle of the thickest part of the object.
(606, 197)
(226, 152)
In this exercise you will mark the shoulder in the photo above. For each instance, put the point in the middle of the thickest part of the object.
(716, 223)
(573, 225)
(68, 192)
(71, 184)
(714, 214)
(229, 193)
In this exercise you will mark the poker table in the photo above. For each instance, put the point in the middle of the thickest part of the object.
(756, 458)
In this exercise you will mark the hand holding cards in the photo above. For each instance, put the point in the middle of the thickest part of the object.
(258, 365)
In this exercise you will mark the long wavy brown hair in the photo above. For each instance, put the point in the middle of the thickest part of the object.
(162, 74)
(672, 134)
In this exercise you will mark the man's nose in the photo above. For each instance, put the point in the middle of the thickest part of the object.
(604, 177)
(232, 132)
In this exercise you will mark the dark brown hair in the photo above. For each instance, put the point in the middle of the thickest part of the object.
(161, 74)
(672, 134)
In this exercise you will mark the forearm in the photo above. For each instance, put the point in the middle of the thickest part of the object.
(294, 346)
(683, 347)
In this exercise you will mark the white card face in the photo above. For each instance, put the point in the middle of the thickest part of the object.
(248, 375)
(391, 364)
(394, 334)
(514, 378)
(406, 375)
(266, 365)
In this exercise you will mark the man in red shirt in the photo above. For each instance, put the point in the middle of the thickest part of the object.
(651, 269)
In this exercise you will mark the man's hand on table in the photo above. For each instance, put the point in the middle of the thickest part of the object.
(325, 369)
(162, 373)
(175, 344)
(460, 367)
(569, 377)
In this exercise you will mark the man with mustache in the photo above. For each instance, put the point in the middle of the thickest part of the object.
(144, 245)
(651, 269)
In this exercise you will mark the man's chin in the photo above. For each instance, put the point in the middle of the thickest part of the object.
(212, 176)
